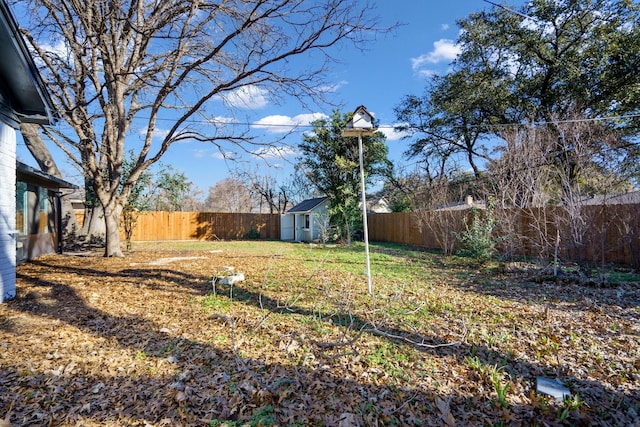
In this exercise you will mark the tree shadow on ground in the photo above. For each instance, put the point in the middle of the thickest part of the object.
(152, 277)
(570, 296)
(190, 380)
(196, 380)
(593, 393)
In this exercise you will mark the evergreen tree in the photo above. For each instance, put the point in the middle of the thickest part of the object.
(330, 162)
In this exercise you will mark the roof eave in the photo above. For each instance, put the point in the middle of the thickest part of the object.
(24, 171)
(30, 98)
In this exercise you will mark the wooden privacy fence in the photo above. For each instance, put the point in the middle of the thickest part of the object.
(152, 226)
(608, 233)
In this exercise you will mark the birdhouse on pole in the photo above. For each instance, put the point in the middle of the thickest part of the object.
(362, 123)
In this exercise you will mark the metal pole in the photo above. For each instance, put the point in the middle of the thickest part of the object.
(364, 216)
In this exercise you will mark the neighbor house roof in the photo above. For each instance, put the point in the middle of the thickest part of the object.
(630, 198)
(28, 174)
(468, 203)
(23, 94)
(307, 205)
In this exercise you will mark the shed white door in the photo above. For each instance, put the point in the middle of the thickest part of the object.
(287, 224)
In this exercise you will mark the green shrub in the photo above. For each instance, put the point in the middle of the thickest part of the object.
(476, 241)
(253, 234)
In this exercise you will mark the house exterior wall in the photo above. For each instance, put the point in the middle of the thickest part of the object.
(303, 233)
(7, 212)
(320, 221)
(23, 99)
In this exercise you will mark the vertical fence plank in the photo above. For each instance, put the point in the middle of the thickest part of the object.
(612, 233)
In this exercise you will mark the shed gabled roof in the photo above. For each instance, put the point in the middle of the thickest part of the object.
(21, 86)
(307, 205)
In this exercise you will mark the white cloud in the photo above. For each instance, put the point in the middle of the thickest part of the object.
(226, 155)
(445, 27)
(424, 73)
(284, 124)
(332, 88)
(199, 154)
(444, 50)
(391, 133)
(60, 49)
(274, 152)
(249, 96)
(221, 120)
(157, 132)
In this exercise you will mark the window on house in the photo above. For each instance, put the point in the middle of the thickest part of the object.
(27, 208)
(32, 209)
(34, 213)
(307, 221)
(46, 211)
(21, 207)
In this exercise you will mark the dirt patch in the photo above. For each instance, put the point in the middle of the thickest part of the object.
(165, 261)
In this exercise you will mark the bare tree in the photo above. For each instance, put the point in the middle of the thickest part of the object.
(275, 197)
(265, 187)
(231, 195)
(428, 197)
(116, 66)
(543, 180)
(433, 216)
(629, 224)
(193, 202)
(298, 188)
(520, 186)
(588, 162)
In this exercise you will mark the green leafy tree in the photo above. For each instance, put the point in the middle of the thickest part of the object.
(448, 123)
(172, 189)
(476, 240)
(331, 163)
(568, 56)
(569, 62)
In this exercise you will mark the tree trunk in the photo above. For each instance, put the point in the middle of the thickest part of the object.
(93, 226)
(347, 229)
(112, 237)
(42, 155)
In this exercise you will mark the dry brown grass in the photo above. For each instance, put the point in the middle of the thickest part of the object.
(143, 341)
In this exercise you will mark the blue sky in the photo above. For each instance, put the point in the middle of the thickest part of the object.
(392, 66)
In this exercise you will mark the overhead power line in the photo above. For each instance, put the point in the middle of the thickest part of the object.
(497, 125)
(511, 10)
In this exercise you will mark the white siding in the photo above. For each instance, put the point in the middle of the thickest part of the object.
(7, 212)
(320, 220)
(286, 227)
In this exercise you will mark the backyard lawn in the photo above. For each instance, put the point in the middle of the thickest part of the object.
(146, 340)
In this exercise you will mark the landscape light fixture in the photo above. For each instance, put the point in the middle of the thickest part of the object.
(362, 124)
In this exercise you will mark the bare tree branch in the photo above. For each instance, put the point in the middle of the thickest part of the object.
(115, 66)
